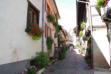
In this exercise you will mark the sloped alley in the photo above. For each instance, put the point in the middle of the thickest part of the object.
(73, 64)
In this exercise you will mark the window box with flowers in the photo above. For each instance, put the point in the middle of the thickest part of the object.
(33, 28)
(35, 31)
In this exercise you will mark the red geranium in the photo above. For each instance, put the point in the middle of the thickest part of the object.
(35, 30)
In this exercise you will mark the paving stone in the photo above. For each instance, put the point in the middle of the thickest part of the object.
(72, 64)
(97, 72)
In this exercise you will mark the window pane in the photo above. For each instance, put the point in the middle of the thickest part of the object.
(32, 15)
(38, 18)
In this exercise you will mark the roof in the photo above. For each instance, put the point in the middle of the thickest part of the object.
(57, 9)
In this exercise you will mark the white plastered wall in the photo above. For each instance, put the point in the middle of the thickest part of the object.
(100, 41)
(15, 43)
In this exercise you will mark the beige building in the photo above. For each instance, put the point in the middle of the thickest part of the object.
(50, 8)
(63, 34)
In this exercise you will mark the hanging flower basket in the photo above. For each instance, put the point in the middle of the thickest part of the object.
(50, 18)
(82, 25)
(99, 3)
(35, 31)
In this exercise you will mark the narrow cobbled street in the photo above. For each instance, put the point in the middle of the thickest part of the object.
(73, 64)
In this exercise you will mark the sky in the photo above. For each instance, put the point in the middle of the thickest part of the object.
(67, 11)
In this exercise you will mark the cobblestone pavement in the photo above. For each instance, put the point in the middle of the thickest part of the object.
(73, 64)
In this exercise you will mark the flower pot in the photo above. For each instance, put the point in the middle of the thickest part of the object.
(35, 37)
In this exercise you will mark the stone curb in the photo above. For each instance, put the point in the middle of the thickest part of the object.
(97, 72)
(41, 71)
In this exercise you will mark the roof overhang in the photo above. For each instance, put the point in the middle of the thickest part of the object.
(57, 9)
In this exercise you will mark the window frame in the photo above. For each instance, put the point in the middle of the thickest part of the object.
(29, 17)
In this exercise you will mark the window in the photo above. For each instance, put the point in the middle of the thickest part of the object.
(48, 32)
(32, 27)
(33, 15)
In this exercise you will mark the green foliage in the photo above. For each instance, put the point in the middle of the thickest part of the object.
(49, 43)
(57, 29)
(34, 30)
(82, 25)
(76, 46)
(62, 53)
(80, 33)
(55, 23)
(88, 59)
(50, 18)
(56, 17)
(99, 3)
(31, 70)
(85, 38)
(41, 60)
(89, 50)
(82, 48)
(35, 37)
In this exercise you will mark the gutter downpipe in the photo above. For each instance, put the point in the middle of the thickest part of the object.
(42, 25)
(91, 33)
(90, 22)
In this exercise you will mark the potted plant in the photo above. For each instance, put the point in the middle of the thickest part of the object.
(31, 70)
(88, 60)
(99, 3)
(82, 25)
(49, 43)
(62, 52)
(76, 46)
(55, 23)
(82, 48)
(80, 33)
(85, 38)
(50, 18)
(34, 30)
(41, 60)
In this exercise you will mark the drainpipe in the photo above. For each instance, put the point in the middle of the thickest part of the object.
(43, 25)
(91, 32)
(90, 22)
